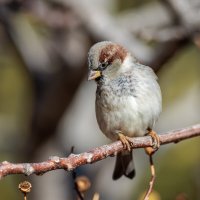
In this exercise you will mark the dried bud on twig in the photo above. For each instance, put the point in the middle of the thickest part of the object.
(83, 183)
(25, 187)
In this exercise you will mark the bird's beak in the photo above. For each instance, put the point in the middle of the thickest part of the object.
(93, 74)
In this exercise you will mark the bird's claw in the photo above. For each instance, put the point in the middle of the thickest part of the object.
(126, 141)
(155, 143)
(155, 139)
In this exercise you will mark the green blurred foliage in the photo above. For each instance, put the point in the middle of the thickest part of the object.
(178, 171)
(179, 74)
(9, 189)
(15, 110)
(15, 88)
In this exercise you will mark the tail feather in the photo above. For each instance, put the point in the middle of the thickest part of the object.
(124, 165)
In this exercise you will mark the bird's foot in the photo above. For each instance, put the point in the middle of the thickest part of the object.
(156, 142)
(126, 141)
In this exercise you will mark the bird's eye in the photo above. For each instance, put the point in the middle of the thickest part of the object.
(103, 65)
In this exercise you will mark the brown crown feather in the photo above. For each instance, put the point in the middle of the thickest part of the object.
(112, 52)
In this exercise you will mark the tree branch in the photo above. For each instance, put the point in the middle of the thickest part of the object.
(75, 160)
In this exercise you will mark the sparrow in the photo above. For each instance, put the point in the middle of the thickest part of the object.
(128, 99)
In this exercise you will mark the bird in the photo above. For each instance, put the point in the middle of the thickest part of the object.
(128, 99)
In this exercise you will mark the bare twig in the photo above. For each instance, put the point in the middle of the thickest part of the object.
(75, 160)
(168, 34)
(80, 195)
(191, 7)
(153, 15)
(153, 177)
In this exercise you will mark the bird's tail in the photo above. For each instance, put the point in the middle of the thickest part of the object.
(124, 165)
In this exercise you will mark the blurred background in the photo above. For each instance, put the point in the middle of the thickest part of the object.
(47, 104)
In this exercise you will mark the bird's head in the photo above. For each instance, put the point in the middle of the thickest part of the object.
(107, 59)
